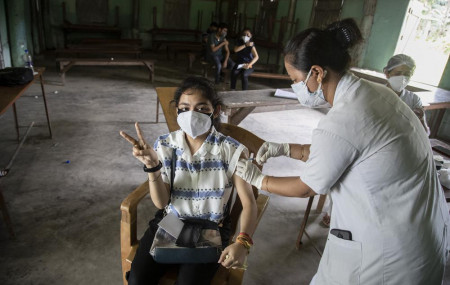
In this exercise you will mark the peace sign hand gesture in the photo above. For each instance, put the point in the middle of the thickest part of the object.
(141, 150)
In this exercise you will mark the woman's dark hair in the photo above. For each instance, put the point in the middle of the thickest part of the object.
(223, 26)
(327, 48)
(245, 29)
(207, 90)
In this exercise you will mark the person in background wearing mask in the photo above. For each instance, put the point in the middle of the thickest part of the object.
(370, 153)
(212, 29)
(246, 56)
(398, 71)
(218, 51)
(204, 178)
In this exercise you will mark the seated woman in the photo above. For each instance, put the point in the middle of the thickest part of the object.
(246, 57)
(204, 176)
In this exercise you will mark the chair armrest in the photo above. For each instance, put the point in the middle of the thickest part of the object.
(128, 228)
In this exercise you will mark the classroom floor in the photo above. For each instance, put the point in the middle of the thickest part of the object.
(63, 194)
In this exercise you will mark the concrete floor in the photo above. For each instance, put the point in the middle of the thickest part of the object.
(63, 194)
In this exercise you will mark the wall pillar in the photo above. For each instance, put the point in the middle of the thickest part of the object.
(15, 11)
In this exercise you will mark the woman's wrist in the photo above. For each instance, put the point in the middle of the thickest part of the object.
(154, 176)
(245, 240)
(152, 166)
(265, 182)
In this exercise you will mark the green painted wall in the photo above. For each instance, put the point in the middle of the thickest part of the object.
(303, 13)
(207, 8)
(445, 79)
(4, 35)
(353, 9)
(18, 37)
(386, 29)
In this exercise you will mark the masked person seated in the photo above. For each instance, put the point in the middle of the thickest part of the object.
(246, 57)
(205, 164)
(398, 71)
(218, 51)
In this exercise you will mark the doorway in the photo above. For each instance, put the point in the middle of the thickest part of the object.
(426, 38)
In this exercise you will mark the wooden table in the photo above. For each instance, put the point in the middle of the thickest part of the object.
(438, 100)
(238, 104)
(10, 94)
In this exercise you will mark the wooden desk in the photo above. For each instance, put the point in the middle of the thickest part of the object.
(438, 100)
(10, 94)
(238, 104)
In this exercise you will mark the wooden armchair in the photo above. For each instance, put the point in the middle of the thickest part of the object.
(128, 224)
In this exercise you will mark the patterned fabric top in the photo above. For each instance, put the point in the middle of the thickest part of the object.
(203, 181)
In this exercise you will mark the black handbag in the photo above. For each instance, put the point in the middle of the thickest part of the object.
(198, 242)
(12, 76)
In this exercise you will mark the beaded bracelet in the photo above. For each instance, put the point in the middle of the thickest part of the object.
(247, 236)
(245, 244)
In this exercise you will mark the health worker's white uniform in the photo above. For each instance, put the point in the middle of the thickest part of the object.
(372, 155)
(411, 99)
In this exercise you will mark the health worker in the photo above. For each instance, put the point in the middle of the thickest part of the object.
(372, 155)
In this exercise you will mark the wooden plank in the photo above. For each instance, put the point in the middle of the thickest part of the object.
(270, 75)
(252, 98)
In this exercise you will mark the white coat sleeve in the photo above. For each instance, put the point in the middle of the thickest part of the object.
(330, 156)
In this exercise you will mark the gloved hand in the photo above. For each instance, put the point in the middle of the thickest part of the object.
(270, 149)
(249, 172)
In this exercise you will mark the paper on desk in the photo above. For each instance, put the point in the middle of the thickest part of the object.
(171, 224)
(285, 94)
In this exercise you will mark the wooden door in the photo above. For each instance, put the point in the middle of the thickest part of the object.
(325, 12)
(176, 14)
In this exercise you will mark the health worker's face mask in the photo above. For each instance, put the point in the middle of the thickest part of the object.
(309, 99)
(194, 123)
(245, 39)
(398, 83)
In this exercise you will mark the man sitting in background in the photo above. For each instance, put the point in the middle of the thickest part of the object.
(218, 52)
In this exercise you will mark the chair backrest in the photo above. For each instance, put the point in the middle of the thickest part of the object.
(247, 138)
(165, 96)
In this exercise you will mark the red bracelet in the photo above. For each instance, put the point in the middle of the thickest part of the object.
(246, 237)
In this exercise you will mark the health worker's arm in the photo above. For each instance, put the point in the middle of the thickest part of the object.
(299, 151)
(287, 186)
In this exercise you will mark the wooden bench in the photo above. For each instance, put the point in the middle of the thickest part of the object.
(66, 63)
(270, 75)
(98, 51)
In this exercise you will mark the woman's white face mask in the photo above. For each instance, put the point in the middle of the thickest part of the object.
(194, 123)
(398, 83)
(309, 99)
(246, 39)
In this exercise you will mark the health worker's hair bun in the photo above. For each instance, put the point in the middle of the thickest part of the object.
(346, 33)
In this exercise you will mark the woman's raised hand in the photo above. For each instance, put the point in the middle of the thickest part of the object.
(270, 149)
(141, 150)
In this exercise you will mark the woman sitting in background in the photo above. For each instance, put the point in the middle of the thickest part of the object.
(204, 177)
(246, 57)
